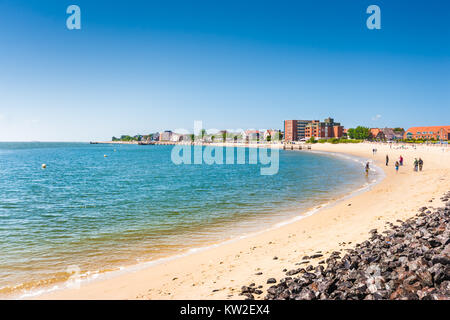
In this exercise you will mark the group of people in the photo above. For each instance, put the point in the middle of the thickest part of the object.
(418, 163)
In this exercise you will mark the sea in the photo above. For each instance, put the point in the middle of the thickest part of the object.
(101, 208)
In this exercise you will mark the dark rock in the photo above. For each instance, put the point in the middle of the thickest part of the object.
(295, 271)
(249, 296)
(408, 261)
(440, 259)
(245, 289)
(306, 294)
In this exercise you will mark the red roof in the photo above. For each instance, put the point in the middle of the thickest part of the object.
(414, 130)
(375, 131)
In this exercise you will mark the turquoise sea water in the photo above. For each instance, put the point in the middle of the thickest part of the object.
(100, 213)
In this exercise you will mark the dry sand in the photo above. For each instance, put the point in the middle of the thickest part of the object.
(218, 273)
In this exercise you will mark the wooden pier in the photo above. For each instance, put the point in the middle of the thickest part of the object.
(296, 147)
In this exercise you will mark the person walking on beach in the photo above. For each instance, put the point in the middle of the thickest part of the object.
(367, 168)
(396, 166)
(420, 164)
(387, 159)
(416, 165)
(401, 160)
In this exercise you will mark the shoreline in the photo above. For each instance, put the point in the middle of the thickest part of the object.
(161, 280)
(295, 216)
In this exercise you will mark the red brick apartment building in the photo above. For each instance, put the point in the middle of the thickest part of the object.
(294, 130)
(428, 133)
(324, 130)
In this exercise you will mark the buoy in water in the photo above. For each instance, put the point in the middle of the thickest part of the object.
(44, 166)
(105, 155)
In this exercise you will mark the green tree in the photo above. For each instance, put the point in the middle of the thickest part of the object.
(351, 133)
(360, 132)
(126, 138)
(269, 138)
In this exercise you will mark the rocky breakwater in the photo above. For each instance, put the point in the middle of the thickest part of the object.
(408, 261)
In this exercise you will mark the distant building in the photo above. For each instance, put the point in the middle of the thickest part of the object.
(155, 136)
(273, 134)
(187, 137)
(428, 133)
(344, 132)
(386, 134)
(251, 135)
(176, 137)
(377, 134)
(324, 130)
(294, 130)
(165, 135)
(390, 134)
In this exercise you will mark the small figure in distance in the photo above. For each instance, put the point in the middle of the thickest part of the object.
(420, 164)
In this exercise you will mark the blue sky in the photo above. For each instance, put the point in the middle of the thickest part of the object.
(144, 66)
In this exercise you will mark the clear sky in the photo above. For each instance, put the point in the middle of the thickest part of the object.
(144, 66)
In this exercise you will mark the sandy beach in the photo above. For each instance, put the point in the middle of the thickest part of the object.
(219, 272)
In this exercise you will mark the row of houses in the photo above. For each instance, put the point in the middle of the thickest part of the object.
(242, 136)
(301, 130)
(423, 133)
